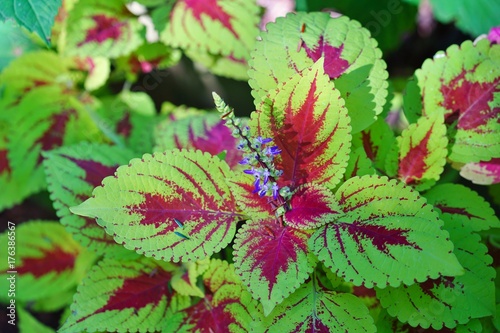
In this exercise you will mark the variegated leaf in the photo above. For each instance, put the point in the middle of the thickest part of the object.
(388, 236)
(171, 206)
(272, 260)
(350, 59)
(307, 120)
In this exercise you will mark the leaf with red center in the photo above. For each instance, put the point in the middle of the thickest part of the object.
(307, 120)
(47, 261)
(464, 85)
(124, 295)
(482, 173)
(227, 306)
(386, 225)
(313, 308)
(204, 132)
(60, 120)
(448, 301)
(96, 28)
(72, 173)
(422, 152)
(33, 70)
(171, 206)
(272, 260)
(212, 29)
(312, 206)
(460, 206)
(351, 60)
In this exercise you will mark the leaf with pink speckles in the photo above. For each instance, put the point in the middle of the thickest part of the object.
(125, 296)
(463, 84)
(308, 122)
(97, 28)
(272, 260)
(48, 261)
(386, 224)
(172, 206)
(218, 33)
(422, 152)
(350, 56)
(312, 206)
(72, 174)
(206, 132)
(313, 308)
(226, 307)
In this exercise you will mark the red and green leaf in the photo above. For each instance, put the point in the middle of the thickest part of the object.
(227, 305)
(459, 206)
(448, 301)
(72, 174)
(313, 308)
(307, 120)
(48, 261)
(204, 132)
(184, 281)
(386, 224)
(482, 173)
(463, 84)
(171, 206)
(350, 59)
(59, 120)
(312, 206)
(272, 260)
(217, 33)
(96, 28)
(127, 296)
(422, 152)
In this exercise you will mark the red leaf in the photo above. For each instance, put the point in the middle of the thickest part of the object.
(52, 260)
(105, 28)
(470, 100)
(334, 65)
(211, 9)
(412, 166)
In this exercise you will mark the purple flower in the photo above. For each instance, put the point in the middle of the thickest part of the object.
(273, 151)
(262, 140)
(263, 190)
(266, 175)
(275, 189)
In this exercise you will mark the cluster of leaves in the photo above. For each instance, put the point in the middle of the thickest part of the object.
(161, 229)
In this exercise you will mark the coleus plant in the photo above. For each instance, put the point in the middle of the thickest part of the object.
(312, 215)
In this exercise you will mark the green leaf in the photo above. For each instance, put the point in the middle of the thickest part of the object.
(72, 174)
(462, 84)
(217, 33)
(459, 206)
(28, 323)
(448, 301)
(472, 16)
(142, 205)
(184, 281)
(46, 261)
(306, 118)
(14, 43)
(227, 305)
(37, 16)
(422, 152)
(96, 28)
(124, 296)
(359, 164)
(272, 260)
(313, 308)
(351, 60)
(386, 224)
